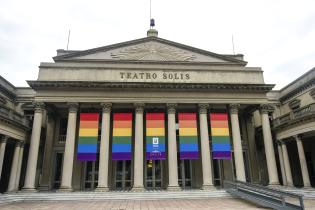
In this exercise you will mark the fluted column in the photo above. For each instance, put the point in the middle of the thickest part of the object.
(269, 149)
(304, 170)
(14, 167)
(172, 148)
(18, 174)
(67, 168)
(205, 148)
(138, 157)
(237, 143)
(29, 183)
(2, 151)
(284, 178)
(104, 150)
(287, 166)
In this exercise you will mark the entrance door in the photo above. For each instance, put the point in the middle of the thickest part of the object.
(90, 175)
(123, 175)
(217, 173)
(185, 173)
(57, 170)
(153, 178)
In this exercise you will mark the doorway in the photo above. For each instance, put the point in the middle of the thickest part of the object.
(185, 173)
(153, 174)
(123, 175)
(90, 178)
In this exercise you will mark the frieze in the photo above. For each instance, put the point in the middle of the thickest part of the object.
(154, 76)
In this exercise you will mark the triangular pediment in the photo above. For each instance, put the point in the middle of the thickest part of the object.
(149, 49)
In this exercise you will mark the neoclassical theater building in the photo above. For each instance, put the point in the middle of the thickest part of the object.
(153, 114)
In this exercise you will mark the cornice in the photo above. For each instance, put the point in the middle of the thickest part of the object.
(44, 85)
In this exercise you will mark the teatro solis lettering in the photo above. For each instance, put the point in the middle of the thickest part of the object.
(153, 76)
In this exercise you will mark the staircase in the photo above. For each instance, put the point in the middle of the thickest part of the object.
(112, 195)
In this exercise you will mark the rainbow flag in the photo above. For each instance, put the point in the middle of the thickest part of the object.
(155, 139)
(221, 146)
(122, 132)
(88, 133)
(188, 136)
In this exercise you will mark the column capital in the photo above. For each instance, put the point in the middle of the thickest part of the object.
(20, 143)
(266, 108)
(171, 108)
(234, 108)
(39, 106)
(4, 139)
(106, 107)
(203, 108)
(139, 107)
(297, 137)
(73, 107)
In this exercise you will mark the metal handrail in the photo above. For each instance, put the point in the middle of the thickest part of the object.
(265, 196)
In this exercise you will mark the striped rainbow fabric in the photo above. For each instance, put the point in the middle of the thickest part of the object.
(88, 133)
(122, 132)
(155, 136)
(188, 137)
(221, 146)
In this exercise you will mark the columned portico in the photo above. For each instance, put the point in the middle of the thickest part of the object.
(29, 183)
(237, 143)
(205, 148)
(269, 149)
(104, 148)
(14, 167)
(304, 170)
(287, 166)
(67, 169)
(138, 156)
(172, 149)
(2, 151)
(18, 174)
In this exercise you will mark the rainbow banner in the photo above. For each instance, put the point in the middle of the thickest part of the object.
(188, 137)
(221, 146)
(88, 133)
(155, 136)
(122, 132)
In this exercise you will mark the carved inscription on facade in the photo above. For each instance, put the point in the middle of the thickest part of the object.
(154, 76)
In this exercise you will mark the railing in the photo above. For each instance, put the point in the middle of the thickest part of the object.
(14, 116)
(264, 196)
(296, 114)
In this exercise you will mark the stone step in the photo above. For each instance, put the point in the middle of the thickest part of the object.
(118, 195)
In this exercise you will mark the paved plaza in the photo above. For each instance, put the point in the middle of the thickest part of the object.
(170, 204)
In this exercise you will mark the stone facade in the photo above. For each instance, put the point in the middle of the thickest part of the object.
(140, 76)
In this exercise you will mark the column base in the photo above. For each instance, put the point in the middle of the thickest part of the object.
(208, 187)
(43, 188)
(101, 189)
(174, 188)
(65, 189)
(138, 189)
(30, 190)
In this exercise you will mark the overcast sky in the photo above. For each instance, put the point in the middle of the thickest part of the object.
(277, 35)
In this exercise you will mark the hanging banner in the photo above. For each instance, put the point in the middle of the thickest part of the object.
(188, 137)
(88, 134)
(221, 146)
(122, 132)
(155, 136)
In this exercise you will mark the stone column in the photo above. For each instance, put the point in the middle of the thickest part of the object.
(304, 170)
(138, 156)
(47, 160)
(29, 184)
(287, 166)
(284, 178)
(18, 174)
(104, 150)
(237, 143)
(172, 149)
(205, 148)
(14, 167)
(67, 168)
(269, 150)
(2, 151)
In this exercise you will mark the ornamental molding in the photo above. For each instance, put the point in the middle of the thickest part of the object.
(106, 107)
(171, 108)
(39, 107)
(153, 51)
(294, 104)
(203, 108)
(312, 93)
(73, 107)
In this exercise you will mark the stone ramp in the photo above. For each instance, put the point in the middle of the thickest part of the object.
(112, 195)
